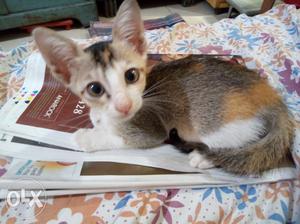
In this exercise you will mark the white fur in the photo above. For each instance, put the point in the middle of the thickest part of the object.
(235, 134)
(95, 139)
(199, 161)
(90, 140)
(117, 83)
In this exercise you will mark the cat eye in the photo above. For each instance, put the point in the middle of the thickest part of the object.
(95, 89)
(132, 75)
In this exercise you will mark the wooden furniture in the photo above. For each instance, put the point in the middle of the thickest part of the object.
(267, 5)
(250, 8)
(218, 5)
(107, 7)
(19, 13)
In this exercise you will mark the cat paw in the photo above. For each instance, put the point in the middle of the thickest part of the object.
(85, 140)
(199, 161)
(90, 140)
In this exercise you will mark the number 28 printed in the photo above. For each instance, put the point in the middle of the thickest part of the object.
(79, 108)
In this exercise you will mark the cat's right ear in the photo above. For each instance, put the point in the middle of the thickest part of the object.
(59, 52)
(128, 26)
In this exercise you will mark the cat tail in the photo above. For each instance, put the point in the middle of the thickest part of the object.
(270, 151)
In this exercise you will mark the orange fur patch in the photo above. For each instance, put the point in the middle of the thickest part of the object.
(197, 67)
(186, 130)
(246, 103)
(106, 55)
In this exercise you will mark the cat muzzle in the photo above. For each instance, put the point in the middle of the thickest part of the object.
(122, 104)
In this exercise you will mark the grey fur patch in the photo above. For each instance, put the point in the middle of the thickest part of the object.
(101, 53)
(199, 94)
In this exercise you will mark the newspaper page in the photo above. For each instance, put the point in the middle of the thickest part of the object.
(117, 169)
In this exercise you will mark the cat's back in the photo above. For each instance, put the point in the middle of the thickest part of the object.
(203, 77)
(207, 70)
(214, 91)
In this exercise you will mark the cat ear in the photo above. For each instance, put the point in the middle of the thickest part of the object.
(58, 52)
(129, 27)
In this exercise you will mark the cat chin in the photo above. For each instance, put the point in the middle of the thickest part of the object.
(111, 118)
(98, 117)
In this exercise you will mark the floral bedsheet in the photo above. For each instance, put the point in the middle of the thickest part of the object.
(269, 43)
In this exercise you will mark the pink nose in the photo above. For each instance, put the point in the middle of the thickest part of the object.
(122, 103)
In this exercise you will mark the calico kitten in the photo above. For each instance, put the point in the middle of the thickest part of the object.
(238, 118)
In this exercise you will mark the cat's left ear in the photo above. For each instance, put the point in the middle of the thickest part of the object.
(60, 53)
(129, 27)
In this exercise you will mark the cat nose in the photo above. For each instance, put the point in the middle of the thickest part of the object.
(122, 103)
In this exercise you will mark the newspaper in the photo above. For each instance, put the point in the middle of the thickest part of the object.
(162, 167)
(36, 140)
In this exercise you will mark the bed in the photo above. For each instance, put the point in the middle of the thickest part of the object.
(268, 43)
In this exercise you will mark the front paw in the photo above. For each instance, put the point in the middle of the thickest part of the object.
(86, 140)
(199, 161)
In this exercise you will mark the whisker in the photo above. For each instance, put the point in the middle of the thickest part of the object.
(158, 82)
(154, 88)
(158, 110)
(160, 93)
(156, 85)
(160, 101)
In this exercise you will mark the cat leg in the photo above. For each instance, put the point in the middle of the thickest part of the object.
(94, 139)
(194, 149)
(139, 138)
(143, 131)
(199, 160)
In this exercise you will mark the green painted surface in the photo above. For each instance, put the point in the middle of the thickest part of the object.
(3, 8)
(84, 12)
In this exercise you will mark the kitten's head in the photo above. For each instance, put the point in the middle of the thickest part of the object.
(109, 77)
